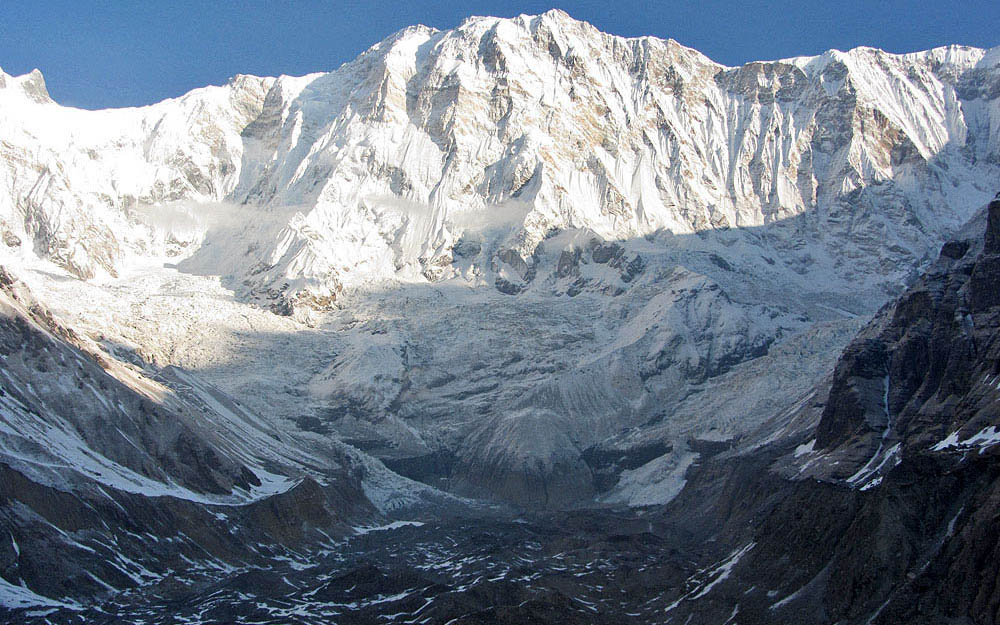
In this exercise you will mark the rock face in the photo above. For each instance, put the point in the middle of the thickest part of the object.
(887, 513)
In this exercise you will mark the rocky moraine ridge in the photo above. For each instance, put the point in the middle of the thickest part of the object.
(514, 322)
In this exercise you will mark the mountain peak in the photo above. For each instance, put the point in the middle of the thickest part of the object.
(31, 85)
(557, 14)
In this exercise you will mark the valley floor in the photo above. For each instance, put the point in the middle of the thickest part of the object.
(587, 567)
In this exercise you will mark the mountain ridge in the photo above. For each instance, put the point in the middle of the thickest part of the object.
(312, 267)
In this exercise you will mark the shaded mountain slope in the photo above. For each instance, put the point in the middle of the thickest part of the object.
(888, 512)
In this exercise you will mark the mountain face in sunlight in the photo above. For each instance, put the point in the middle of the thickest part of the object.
(503, 131)
(517, 267)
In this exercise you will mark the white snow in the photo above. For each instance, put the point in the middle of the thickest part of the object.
(986, 437)
(712, 576)
(388, 527)
(805, 448)
(15, 597)
(191, 217)
(867, 475)
(786, 600)
(947, 443)
(655, 483)
(332, 198)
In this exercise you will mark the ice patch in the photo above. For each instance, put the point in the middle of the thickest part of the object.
(950, 441)
(786, 600)
(655, 483)
(867, 475)
(717, 574)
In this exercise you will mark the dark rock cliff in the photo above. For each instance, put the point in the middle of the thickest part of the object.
(887, 509)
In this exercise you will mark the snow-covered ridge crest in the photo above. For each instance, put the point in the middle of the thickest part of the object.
(73, 178)
(381, 169)
(30, 85)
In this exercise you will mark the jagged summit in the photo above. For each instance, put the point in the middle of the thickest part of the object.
(583, 130)
(31, 85)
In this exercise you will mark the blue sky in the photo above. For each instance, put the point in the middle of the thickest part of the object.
(120, 53)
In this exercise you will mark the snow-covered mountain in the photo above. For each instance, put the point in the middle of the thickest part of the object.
(535, 237)
(526, 230)
(394, 165)
(521, 259)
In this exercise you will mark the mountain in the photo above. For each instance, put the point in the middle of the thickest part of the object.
(520, 265)
(544, 124)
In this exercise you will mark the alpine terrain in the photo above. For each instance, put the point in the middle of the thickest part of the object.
(518, 322)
